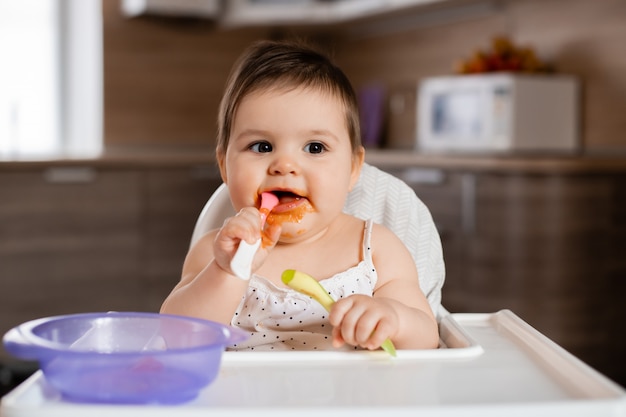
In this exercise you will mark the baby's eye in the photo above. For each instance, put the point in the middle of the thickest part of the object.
(261, 147)
(314, 147)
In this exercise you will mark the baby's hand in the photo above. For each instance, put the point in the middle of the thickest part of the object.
(245, 225)
(360, 320)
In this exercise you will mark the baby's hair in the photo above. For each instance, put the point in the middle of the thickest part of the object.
(285, 65)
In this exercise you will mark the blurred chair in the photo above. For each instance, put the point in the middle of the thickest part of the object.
(385, 199)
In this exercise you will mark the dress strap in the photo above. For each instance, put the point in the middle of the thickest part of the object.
(367, 237)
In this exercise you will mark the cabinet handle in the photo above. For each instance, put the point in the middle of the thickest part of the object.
(423, 176)
(70, 175)
(468, 203)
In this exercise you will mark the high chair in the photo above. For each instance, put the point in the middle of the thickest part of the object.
(385, 199)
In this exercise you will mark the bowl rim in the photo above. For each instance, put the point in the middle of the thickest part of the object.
(26, 330)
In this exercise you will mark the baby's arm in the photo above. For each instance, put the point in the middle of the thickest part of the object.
(398, 310)
(208, 289)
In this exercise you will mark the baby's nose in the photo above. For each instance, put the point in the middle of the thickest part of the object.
(283, 165)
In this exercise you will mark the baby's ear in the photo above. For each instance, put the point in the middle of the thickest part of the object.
(357, 163)
(221, 164)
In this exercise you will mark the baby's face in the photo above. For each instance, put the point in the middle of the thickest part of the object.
(294, 143)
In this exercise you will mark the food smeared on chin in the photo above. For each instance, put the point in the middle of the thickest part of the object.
(291, 208)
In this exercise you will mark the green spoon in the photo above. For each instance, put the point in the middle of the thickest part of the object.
(308, 285)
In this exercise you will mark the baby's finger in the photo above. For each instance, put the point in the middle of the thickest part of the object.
(339, 310)
(349, 324)
(246, 225)
(376, 339)
(337, 339)
(365, 329)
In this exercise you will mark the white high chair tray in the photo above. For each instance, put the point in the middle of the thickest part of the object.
(489, 365)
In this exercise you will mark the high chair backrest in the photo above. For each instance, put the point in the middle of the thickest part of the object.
(385, 199)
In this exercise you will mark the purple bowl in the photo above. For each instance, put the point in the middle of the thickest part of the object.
(124, 357)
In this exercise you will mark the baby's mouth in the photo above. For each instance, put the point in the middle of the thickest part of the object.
(286, 197)
(287, 200)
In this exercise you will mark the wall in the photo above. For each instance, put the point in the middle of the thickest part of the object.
(581, 37)
(164, 78)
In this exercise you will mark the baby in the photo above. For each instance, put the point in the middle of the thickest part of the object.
(289, 124)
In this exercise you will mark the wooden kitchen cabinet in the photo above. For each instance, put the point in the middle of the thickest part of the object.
(95, 238)
(69, 242)
(174, 198)
(550, 247)
(445, 194)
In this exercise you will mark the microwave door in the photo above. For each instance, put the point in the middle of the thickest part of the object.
(456, 117)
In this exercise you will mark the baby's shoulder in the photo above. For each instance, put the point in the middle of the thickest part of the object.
(382, 232)
(384, 240)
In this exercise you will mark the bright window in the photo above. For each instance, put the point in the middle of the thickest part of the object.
(50, 78)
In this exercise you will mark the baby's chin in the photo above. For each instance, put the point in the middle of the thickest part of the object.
(301, 232)
(292, 237)
(294, 233)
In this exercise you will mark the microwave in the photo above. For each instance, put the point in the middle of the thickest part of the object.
(500, 113)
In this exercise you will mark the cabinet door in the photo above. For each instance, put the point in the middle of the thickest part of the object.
(445, 194)
(69, 242)
(546, 247)
(175, 198)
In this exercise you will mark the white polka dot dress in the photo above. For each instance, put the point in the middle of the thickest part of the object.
(281, 319)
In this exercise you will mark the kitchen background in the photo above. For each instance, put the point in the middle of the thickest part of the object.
(542, 235)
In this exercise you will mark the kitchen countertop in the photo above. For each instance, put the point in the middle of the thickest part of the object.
(173, 157)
